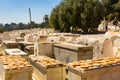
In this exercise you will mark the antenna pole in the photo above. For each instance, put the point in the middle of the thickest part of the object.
(30, 18)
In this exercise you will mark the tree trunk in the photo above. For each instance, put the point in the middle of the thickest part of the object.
(67, 29)
(85, 31)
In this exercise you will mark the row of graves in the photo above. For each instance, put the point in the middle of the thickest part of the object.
(41, 54)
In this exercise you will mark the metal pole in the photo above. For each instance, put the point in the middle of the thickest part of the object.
(30, 17)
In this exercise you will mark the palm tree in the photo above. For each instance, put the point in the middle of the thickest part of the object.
(45, 20)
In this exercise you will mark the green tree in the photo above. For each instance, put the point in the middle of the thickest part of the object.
(21, 25)
(63, 20)
(46, 19)
(83, 14)
(1, 29)
(73, 9)
(91, 16)
(53, 21)
(110, 8)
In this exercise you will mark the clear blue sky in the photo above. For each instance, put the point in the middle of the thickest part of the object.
(17, 10)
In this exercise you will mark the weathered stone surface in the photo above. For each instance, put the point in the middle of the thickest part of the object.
(67, 52)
